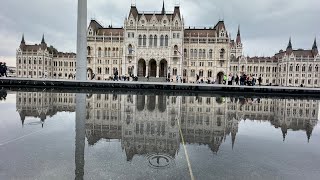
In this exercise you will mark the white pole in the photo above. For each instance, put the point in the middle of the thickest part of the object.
(81, 73)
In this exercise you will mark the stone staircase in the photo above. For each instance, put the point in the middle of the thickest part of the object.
(152, 79)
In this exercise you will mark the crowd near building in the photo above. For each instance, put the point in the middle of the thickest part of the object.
(157, 46)
(148, 124)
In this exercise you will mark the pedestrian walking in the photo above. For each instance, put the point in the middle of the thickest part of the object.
(1, 69)
(225, 78)
(237, 80)
(260, 80)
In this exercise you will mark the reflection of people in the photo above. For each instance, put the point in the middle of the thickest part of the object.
(3, 95)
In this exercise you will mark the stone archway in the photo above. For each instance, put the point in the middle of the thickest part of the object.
(152, 68)
(141, 68)
(220, 77)
(163, 68)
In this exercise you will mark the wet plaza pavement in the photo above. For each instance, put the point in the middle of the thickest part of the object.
(46, 135)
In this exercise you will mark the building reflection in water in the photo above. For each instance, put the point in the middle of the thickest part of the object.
(148, 125)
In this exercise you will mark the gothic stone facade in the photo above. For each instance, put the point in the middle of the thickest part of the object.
(41, 61)
(156, 44)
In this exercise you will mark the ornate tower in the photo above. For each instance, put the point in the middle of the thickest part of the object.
(43, 43)
(289, 47)
(23, 43)
(315, 48)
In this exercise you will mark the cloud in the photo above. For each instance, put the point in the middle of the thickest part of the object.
(266, 25)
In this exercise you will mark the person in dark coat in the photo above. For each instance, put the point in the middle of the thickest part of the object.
(1, 69)
(5, 68)
(260, 80)
(237, 80)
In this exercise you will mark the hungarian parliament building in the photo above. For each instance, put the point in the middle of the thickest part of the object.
(147, 124)
(159, 46)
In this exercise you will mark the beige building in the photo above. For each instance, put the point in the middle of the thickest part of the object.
(41, 61)
(159, 46)
(286, 68)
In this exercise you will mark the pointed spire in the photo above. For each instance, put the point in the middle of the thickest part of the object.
(314, 46)
(289, 44)
(22, 40)
(163, 9)
(238, 40)
(43, 41)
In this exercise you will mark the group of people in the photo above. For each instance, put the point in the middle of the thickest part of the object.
(117, 77)
(3, 69)
(243, 80)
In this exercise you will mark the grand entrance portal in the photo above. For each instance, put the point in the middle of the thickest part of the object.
(163, 68)
(141, 68)
(152, 68)
(220, 77)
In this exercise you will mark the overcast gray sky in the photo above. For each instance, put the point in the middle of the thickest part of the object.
(266, 25)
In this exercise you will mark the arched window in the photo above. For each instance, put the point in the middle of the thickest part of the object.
(130, 70)
(174, 35)
(150, 40)
(155, 41)
(310, 68)
(191, 53)
(131, 23)
(185, 53)
(176, 24)
(99, 70)
(304, 68)
(174, 71)
(222, 52)
(317, 68)
(105, 52)
(201, 73)
(161, 40)
(130, 49)
(140, 40)
(195, 53)
(297, 67)
(200, 53)
(209, 73)
(144, 40)
(210, 53)
(107, 71)
(89, 50)
(99, 52)
(166, 41)
(184, 72)
(203, 53)
(175, 50)
(291, 68)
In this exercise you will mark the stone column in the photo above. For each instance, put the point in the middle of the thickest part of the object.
(81, 69)
(157, 74)
(147, 69)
